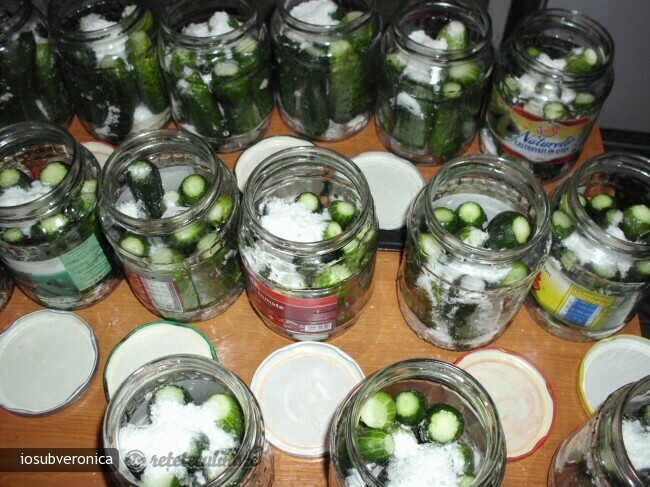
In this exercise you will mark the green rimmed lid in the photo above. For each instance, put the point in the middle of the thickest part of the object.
(149, 342)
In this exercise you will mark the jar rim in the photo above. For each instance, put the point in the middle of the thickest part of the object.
(17, 19)
(491, 166)
(457, 9)
(285, 161)
(566, 20)
(340, 28)
(169, 29)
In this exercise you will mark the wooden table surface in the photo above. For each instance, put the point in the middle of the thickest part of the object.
(242, 341)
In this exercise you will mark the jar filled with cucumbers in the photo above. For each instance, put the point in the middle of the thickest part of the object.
(216, 56)
(308, 241)
(611, 449)
(31, 85)
(598, 271)
(6, 287)
(108, 53)
(436, 62)
(50, 237)
(551, 78)
(417, 422)
(477, 235)
(170, 208)
(187, 421)
(326, 58)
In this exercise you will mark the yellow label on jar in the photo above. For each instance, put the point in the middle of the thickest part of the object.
(568, 301)
(539, 140)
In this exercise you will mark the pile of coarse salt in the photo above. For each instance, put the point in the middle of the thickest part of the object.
(636, 438)
(173, 433)
(218, 24)
(15, 196)
(292, 221)
(316, 12)
(424, 39)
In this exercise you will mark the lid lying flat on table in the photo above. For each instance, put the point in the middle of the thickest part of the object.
(299, 388)
(251, 157)
(609, 365)
(101, 150)
(150, 342)
(394, 182)
(47, 359)
(521, 393)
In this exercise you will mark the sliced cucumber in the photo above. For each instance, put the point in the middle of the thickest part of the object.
(187, 237)
(429, 247)
(310, 201)
(518, 271)
(468, 457)
(471, 214)
(332, 276)
(221, 210)
(644, 415)
(135, 244)
(144, 181)
(342, 212)
(53, 226)
(89, 186)
(53, 173)
(226, 413)
(170, 393)
(374, 445)
(13, 177)
(444, 423)
(561, 224)
(193, 188)
(556, 111)
(473, 236)
(466, 73)
(332, 230)
(455, 33)
(167, 255)
(508, 230)
(584, 101)
(411, 406)
(447, 219)
(580, 61)
(636, 222)
(14, 236)
(379, 410)
(207, 241)
(601, 202)
(564, 202)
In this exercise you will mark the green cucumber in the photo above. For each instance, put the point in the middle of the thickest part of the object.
(14, 178)
(135, 244)
(186, 238)
(581, 61)
(518, 272)
(428, 247)
(331, 276)
(311, 201)
(166, 256)
(53, 173)
(446, 133)
(466, 73)
(584, 101)
(221, 210)
(471, 214)
(199, 109)
(347, 82)
(120, 93)
(208, 241)
(456, 35)
(411, 407)
(141, 55)
(561, 224)
(226, 413)
(378, 411)
(170, 393)
(15, 236)
(556, 111)
(508, 230)
(600, 202)
(473, 236)
(447, 218)
(374, 445)
(193, 188)
(443, 424)
(145, 183)
(636, 222)
(332, 230)
(342, 212)
(52, 91)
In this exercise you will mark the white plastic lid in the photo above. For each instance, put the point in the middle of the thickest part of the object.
(521, 393)
(251, 157)
(47, 359)
(101, 150)
(609, 365)
(394, 182)
(299, 387)
(150, 342)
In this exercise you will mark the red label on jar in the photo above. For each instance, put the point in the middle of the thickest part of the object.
(298, 315)
(156, 293)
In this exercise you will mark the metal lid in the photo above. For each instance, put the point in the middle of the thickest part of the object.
(394, 182)
(521, 393)
(47, 360)
(101, 150)
(609, 365)
(251, 157)
(299, 387)
(149, 342)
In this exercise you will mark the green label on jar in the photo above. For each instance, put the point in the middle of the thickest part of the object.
(74, 271)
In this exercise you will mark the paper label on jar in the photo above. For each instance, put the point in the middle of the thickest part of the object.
(156, 291)
(75, 271)
(539, 140)
(297, 315)
(568, 301)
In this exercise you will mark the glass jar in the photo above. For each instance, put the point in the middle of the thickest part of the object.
(326, 61)
(107, 49)
(182, 264)
(249, 463)
(51, 241)
(609, 449)
(307, 287)
(596, 275)
(6, 287)
(440, 382)
(551, 79)
(31, 86)
(216, 56)
(431, 91)
(460, 296)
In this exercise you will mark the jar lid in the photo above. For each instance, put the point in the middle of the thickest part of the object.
(149, 342)
(47, 359)
(101, 150)
(251, 157)
(521, 393)
(299, 387)
(394, 182)
(609, 365)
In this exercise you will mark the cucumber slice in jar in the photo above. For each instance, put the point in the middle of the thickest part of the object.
(187, 237)
(556, 111)
(508, 230)
(580, 60)
(221, 210)
(226, 413)
(518, 271)
(636, 222)
(342, 212)
(166, 255)
(471, 214)
(193, 188)
(170, 393)
(600, 202)
(447, 218)
(14, 236)
(310, 201)
(473, 236)
(443, 424)
(331, 276)
(561, 224)
(455, 33)
(332, 230)
(411, 406)
(53, 173)
(13, 178)
(144, 182)
(53, 226)
(379, 410)
(428, 247)
(135, 244)
(375, 445)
